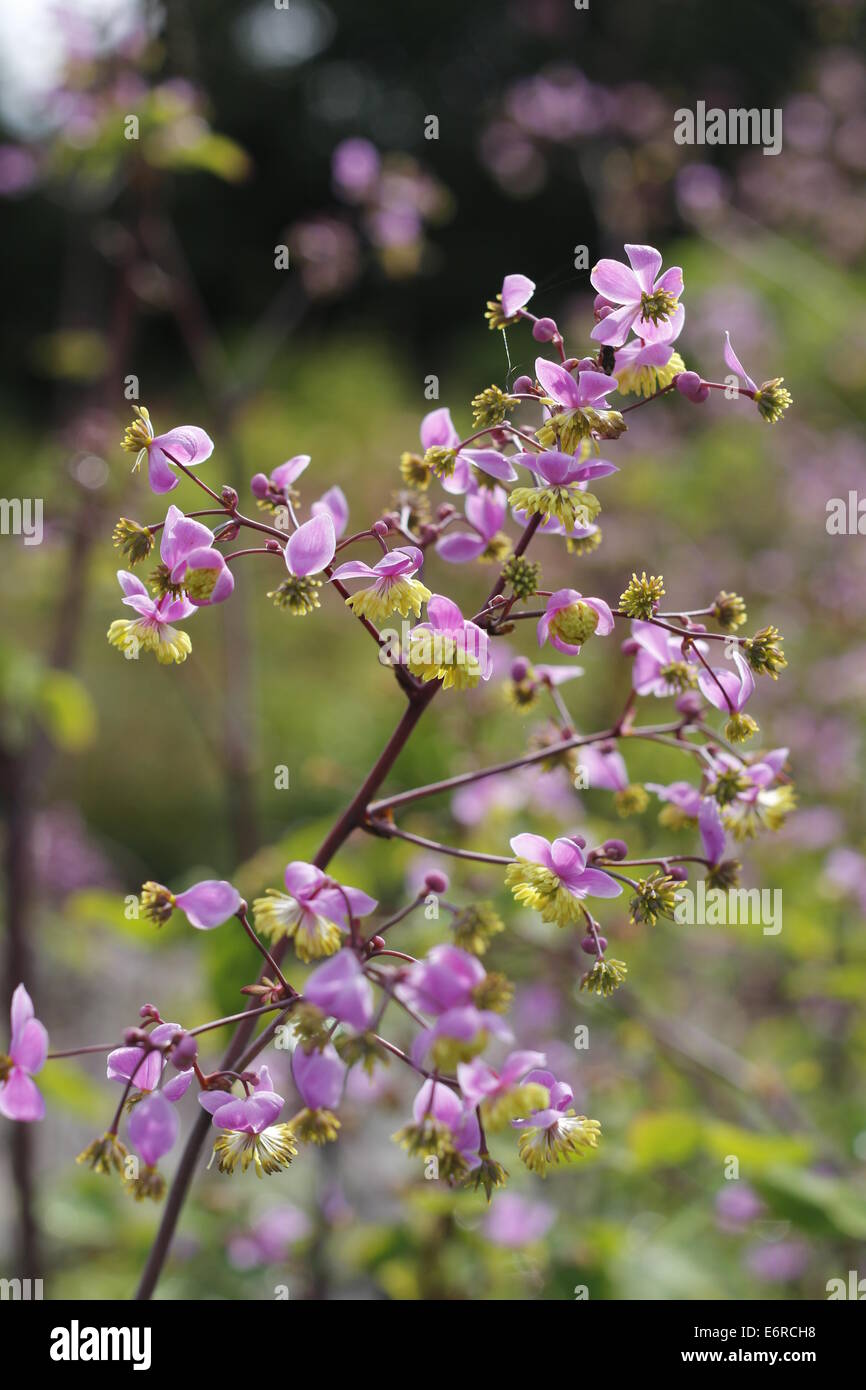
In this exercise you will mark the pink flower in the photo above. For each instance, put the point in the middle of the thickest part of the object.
(275, 488)
(554, 879)
(143, 1067)
(153, 630)
(727, 691)
(186, 444)
(560, 470)
(588, 390)
(449, 647)
(319, 1077)
(342, 991)
(314, 910)
(569, 620)
(478, 1080)
(186, 550)
(250, 1114)
(251, 1134)
(391, 585)
(437, 431)
(660, 659)
(512, 1221)
(444, 980)
(647, 303)
(20, 1098)
(604, 767)
(438, 1102)
(486, 511)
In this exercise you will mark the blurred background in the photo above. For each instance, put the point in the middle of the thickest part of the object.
(154, 258)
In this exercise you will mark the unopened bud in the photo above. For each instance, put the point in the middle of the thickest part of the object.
(614, 849)
(229, 497)
(259, 485)
(522, 385)
(543, 330)
(679, 872)
(436, 882)
(184, 1052)
(519, 669)
(690, 385)
(589, 946)
(380, 528)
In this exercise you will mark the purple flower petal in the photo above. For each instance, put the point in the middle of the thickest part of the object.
(616, 281)
(312, 546)
(20, 1097)
(517, 290)
(437, 430)
(646, 262)
(153, 1127)
(319, 1077)
(333, 501)
(557, 382)
(29, 1045)
(209, 904)
(187, 443)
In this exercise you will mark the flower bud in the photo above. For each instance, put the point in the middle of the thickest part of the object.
(690, 385)
(569, 364)
(543, 330)
(184, 1052)
(587, 364)
(380, 528)
(436, 882)
(579, 840)
(273, 545)
(689, 702)
(615, 849)
(523, 385)
(428, 533)
(230, 532)
(589, 947)
(519, 669)
(134, 1037)
(444, 510)
(630, 647)
(678, 872)
(259, 485)
(377, 943)
(229, 497)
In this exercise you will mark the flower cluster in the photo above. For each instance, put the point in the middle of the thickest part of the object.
(522, 473)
